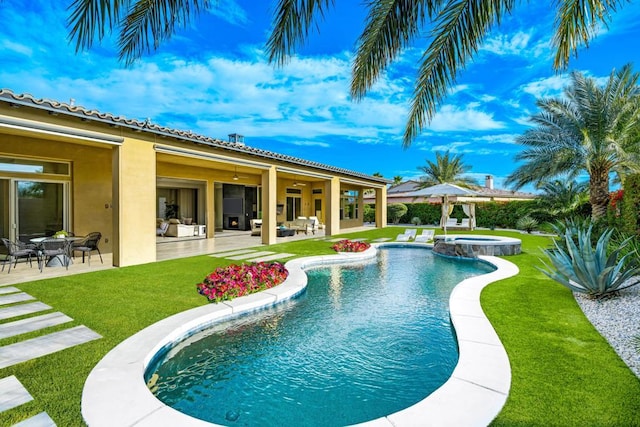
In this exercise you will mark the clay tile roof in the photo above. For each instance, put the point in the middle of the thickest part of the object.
(6, 95)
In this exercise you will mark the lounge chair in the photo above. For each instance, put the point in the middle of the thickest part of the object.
(256, 227)
(403, 237)
(426, 236)
(411, 232)
(452, 222)
(408, 234)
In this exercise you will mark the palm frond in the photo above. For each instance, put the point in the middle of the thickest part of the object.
(391, 26)
(149, 22)
(459, 30)
(576, 22)
(89, 19)
(291, 25)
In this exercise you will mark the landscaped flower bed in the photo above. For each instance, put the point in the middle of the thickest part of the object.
(226, 283)
(350, 246)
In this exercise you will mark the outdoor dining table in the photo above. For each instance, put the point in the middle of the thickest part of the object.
(60, 260)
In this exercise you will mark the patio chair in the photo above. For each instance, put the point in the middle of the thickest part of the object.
(18, 250)
(256, 227)
(403, 237)
(88, 244)
(426, 236)
(53, 248)
(411, 232)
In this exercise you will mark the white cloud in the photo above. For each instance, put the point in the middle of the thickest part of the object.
(546, 87)
(454, 118)
(230, 11)
(503, 44)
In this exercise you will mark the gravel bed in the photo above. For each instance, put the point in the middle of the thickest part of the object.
(617, 318)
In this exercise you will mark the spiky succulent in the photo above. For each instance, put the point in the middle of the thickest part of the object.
(583, 268)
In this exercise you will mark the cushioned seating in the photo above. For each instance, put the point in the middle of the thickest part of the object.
(176, 229)
(256, 227)
(301, 224)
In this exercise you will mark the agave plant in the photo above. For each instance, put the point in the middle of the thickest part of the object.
(583, 268)
(526, 223)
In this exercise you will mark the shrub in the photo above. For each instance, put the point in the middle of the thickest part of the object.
(350, 246)
(226, 283)
(395, 211)
(416, 220)
(630, 209)
(369, 213)
(585, 269)
(527, 223)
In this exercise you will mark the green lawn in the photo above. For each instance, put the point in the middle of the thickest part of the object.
(564, 373)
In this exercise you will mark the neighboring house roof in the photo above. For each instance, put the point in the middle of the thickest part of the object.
(8, 96)
(409, 192)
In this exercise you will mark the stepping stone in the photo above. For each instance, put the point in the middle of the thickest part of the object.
(8, 290)
(41, 346)
(40, 420)
(270, 257)
(251, 255)
(362, 239)
(381, 239)
(13, 298)
(12, 393)
(31, 324)
(337, 240)
(231, 253)
(22, 309)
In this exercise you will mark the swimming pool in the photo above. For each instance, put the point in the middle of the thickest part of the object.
(115, 392)
(364, 341)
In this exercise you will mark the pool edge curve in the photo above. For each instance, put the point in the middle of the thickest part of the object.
(115, 392)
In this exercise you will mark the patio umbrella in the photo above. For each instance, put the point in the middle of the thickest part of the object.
(445, 191)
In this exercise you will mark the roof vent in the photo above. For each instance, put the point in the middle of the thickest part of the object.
(236, 138)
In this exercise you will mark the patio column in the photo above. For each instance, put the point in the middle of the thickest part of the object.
(269, 202)
(332, 190)
(381, 207)
(134, 209)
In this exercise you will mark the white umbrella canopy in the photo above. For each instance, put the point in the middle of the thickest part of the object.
(446, 190)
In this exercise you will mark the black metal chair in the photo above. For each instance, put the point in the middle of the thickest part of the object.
(53, 248)
(88, 244)
(17, 250)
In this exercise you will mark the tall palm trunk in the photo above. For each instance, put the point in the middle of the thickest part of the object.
(598, 193)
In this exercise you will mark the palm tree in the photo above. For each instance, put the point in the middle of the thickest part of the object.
(593, 130)
(561, 197)
(455, 30)
(397, 180)
(446, 168)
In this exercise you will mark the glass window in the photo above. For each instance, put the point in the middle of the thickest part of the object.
(349, 204)
(15, 165)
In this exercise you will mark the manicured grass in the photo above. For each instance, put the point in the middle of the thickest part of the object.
(564, 373)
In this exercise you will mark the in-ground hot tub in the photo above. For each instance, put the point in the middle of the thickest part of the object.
(471, 246)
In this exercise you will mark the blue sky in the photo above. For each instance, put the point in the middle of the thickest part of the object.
(213, 78)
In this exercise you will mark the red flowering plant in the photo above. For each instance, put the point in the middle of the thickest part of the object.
(350, 246)
(226, 283)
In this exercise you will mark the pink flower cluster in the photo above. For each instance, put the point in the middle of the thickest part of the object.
(350, 246)
(226, 283)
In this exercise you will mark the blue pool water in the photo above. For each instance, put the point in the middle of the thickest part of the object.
(362, 342)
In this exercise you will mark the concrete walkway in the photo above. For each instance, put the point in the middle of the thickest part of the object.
(12, 395)
(13, 304)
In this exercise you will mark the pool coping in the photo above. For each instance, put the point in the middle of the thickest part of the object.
(115, 392)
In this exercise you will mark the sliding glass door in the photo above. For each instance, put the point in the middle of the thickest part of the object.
(40, 209)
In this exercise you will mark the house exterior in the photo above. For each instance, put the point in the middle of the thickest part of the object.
(67, 167)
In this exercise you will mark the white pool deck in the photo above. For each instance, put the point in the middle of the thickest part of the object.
(115, 392)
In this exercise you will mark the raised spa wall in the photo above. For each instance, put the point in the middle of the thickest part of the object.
(457, 246)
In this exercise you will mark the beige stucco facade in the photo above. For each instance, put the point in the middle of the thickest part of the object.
(104, 173)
